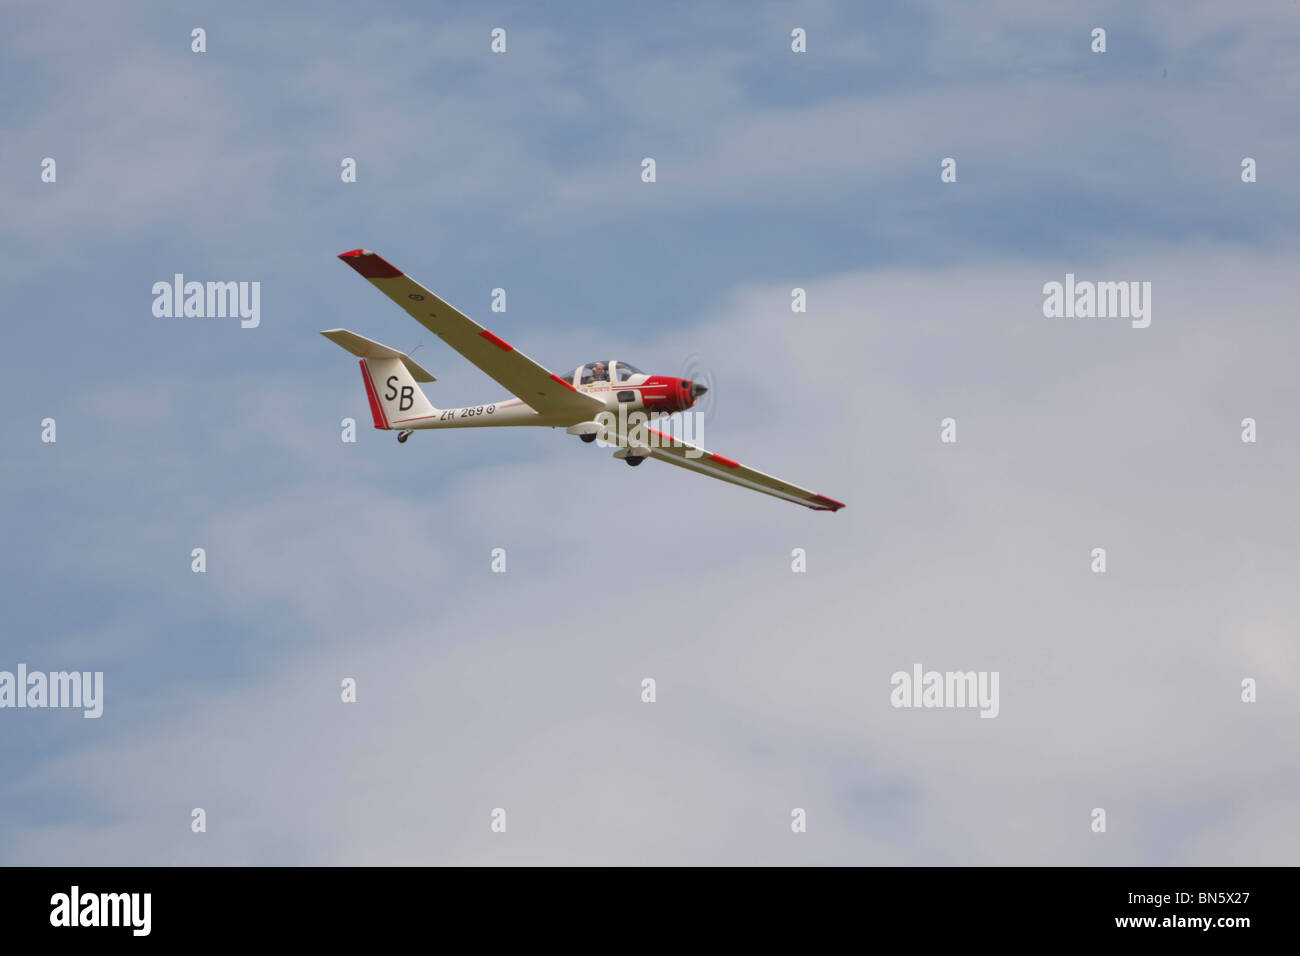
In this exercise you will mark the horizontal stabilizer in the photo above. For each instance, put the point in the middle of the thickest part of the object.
(363, 347)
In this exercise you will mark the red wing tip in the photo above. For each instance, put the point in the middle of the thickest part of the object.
(370, 265)
(826, 504)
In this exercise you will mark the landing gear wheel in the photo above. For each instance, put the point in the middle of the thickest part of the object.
(588, 438)
(633, 461)
(402, 436)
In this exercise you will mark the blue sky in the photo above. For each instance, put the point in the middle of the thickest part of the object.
(522, 690)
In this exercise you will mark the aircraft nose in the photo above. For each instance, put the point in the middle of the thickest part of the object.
(697, 389)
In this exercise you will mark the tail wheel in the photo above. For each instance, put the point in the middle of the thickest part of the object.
(402, 436)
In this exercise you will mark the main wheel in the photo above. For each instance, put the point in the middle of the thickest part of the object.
(633, 461)
(589, 438)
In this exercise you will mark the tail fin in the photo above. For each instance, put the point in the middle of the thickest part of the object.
(390, 379)
(395, 400)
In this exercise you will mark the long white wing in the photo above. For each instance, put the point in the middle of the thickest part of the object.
(673, 450)
(548, 394)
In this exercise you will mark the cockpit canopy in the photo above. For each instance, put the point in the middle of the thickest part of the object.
(611, 371)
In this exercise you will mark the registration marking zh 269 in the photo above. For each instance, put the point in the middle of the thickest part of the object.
(470, 412)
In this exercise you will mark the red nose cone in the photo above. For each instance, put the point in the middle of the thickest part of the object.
(668, 395)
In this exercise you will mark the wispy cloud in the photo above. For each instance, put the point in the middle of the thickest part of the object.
(521, 690)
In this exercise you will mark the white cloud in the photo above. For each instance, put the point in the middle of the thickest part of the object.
(522, 690)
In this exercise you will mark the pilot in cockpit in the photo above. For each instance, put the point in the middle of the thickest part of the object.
(598, 373)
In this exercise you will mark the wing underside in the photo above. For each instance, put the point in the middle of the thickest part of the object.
(674, 451)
